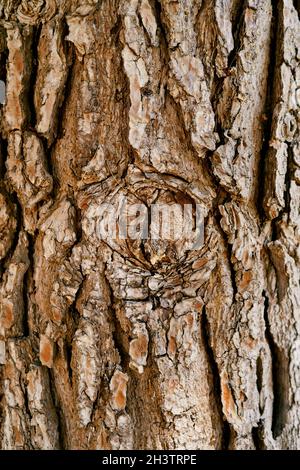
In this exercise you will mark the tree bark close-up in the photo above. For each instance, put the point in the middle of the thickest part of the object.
(136, 343)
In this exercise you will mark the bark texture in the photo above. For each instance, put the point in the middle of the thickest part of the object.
(138, 345)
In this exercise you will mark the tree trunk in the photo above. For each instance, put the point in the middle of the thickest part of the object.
(137, 344)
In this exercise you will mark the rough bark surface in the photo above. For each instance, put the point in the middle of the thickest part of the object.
(127, 345)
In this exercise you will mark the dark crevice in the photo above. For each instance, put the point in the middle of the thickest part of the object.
(33, 75)
(3, 157)
(259, 374)
(232, 271)
(28, 279)
(218, 126)
(2, 402)
(268, 112)
(157, 8)
(217, 85)
(232, 439)
(69, 49)
(75, 315)
(96, 403)
(216, 379)
(257, 436)
(27, 410)
(119, 337)
(280, 377)
(71, 60)
(3, 55)
(297, 7)
(68, 356)
(259, 381)
(3, 78)
(72, 307)
(18, 214)
(72, 322)
(78, 223)
(116, 29)
(61, 423)
(288, 178)
(207, 168)
(237, 26)
(165, 56)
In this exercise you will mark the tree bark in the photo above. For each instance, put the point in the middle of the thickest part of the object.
(135, 344)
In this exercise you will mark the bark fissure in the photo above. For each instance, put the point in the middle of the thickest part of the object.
(257, 437)
(268, 110)
(32, 80)
(237, 27)
(215, 379)
(19, 224)
(3, 54)
(69, 81)
(279, 378)
(118, 333)
(62, 431)
(288, 176)
(28, 279)
(297, 7)
(229, 255)
(3, 157)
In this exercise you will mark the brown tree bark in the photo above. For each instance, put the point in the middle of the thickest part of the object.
(139, 345)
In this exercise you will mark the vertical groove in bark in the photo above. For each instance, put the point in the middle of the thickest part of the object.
(62, 432)
(32, 79)
(16, 215)
(69, 50)
(237, 25)
(279, 378)
(257, 437)
(26, 287)
(269, 109)
(216, 386)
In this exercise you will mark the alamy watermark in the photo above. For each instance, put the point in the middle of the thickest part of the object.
(169, 222)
